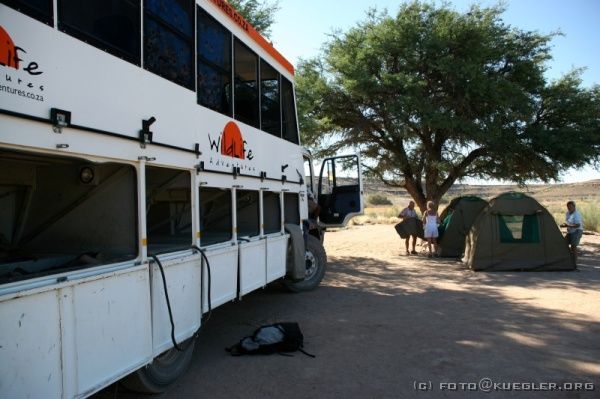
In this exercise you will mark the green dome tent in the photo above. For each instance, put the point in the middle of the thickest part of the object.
(515, 232)
(457, 219)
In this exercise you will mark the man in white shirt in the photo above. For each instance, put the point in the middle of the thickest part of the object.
(406, 213)
(574, 225)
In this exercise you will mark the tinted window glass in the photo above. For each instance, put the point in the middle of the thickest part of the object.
(169, 40)
(215, 216)
(246, 89)
(291, 208)
(214, 89)
(111, 25)
(61, 214)
(38, 9)
(269, 100)
(214, 42)
(271, 212)
(167, 55)
(176, 14)
(214, 64)
(168, 209)
(290, 129)
(247, 213)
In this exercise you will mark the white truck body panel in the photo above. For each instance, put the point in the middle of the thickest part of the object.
(75, 338)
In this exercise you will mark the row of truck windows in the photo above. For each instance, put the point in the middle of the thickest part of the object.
(190, 49)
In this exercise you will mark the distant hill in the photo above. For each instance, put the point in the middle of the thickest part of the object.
(542, 192)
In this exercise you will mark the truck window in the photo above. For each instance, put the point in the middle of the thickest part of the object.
(169, 40)
(270, 100)
(168, 209)
(308, 174)
(59, 214)
(113, 26)
(38, 9)
(248, 213)
(214, 64)
(245, 94)
(271, 212)
(215, 216)
(288, 111)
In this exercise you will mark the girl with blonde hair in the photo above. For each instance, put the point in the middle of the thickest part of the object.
(431, 220)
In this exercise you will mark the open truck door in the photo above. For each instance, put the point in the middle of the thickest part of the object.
(340, 190)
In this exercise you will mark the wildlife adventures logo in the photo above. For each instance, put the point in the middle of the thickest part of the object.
(20, 75)
(231, 144)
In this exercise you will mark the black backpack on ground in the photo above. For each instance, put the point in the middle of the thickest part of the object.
(273, 338)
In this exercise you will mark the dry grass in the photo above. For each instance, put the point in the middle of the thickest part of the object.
(589, 208)
(381, 214)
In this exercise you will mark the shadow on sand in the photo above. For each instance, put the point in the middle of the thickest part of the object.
(377, 327)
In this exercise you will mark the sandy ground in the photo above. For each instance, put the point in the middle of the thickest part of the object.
(382, 322)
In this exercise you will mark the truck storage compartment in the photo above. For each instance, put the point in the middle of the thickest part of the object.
(59, 214)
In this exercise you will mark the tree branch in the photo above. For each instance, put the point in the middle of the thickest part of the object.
(457, 170)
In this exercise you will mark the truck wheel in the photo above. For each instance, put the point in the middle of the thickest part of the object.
(316, 262)
(162, 372)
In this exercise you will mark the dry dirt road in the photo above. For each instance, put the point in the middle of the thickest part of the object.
(382, 321)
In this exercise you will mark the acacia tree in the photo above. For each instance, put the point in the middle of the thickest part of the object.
(432, 95)
(260, 14)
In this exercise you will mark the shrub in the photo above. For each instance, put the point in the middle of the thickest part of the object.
(391, 212)
(378, 199)
(590, 212)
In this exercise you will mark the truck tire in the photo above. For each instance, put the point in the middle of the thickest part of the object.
(156, 377)
(316, 263)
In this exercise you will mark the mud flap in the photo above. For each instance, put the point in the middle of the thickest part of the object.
(296, 260)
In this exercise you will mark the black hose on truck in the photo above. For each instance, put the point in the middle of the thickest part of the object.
(166, 291)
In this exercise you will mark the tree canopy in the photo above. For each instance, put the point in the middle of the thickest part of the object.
(260, 14)
(432, 95)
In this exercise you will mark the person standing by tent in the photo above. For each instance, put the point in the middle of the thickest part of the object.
(407, 213)
(431, 220)
(574, 225)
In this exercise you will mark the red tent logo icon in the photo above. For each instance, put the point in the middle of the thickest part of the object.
(8, 50)
(232, 143)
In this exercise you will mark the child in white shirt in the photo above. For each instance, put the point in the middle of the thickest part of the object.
(431, 220)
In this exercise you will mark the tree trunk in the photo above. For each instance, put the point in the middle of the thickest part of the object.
(434, 194)
(416, 192)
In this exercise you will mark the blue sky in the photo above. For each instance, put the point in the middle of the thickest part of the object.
(302, 26)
